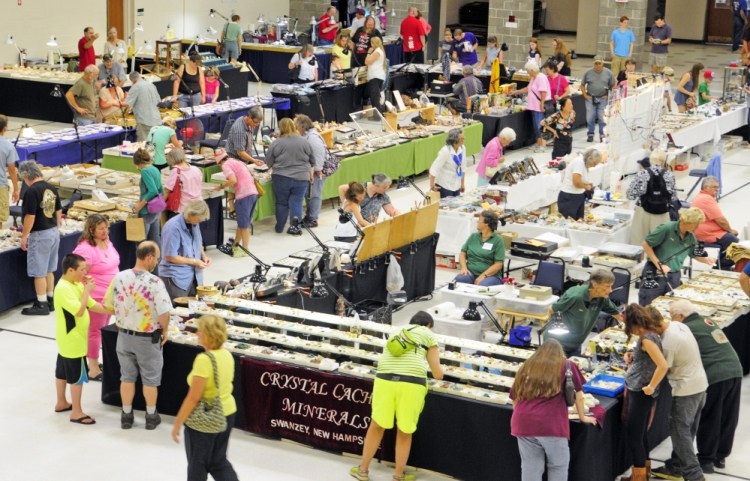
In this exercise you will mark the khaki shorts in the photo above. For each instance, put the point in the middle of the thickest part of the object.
(658, 59)
(4, 203)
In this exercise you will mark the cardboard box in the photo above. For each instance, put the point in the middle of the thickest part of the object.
(508, 237)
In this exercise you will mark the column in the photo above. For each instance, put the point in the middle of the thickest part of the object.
(517, 38)
(609, 19)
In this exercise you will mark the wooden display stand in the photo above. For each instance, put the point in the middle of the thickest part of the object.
(167, 54)
(382, 237)
(428, 113)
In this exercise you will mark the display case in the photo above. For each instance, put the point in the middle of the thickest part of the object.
(732, 89)
(373, 129)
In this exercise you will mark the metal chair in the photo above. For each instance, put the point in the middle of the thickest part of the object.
(551, 273)
(620, 294)
(222, 140)
(16, 210)
(68, 203)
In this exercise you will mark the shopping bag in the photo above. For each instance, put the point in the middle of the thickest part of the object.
(135, 229)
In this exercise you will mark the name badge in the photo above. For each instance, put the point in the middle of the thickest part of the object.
(487, 246)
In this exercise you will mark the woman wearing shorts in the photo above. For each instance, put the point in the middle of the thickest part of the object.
(399, 392)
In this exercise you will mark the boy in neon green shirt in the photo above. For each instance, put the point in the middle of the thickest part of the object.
(73, 300)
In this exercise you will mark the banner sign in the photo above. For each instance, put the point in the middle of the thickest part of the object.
(326, 410)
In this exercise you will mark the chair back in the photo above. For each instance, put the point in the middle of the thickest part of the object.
(225, 131)
(551, 273)
(620, 294)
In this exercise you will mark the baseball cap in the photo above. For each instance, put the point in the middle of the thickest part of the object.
(598, 59)
(220, 154)
(708, 74)
(645, 162)
(668, 71)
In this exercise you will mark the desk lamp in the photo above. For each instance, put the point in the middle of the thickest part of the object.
(406, 182)
(21, 51)
(138, 28)
(52, 42)
(213, 12)
(556, 326)
(26, 132)
(147, 47)
(56, 92)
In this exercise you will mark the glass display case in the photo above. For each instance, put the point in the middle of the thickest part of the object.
(732, 90)
(373, 128)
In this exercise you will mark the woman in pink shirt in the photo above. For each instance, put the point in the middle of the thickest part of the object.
(537, 93)
(104, 263)
(189, 176)
(558, 83)
(492, 156)
(245, 197)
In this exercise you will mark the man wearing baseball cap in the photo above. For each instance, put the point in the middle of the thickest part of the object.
(595, 87)
(704, 89)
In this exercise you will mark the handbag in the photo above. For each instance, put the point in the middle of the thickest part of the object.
(570, 389)
(156, 205)
(221, 47)
(330, 165)
(208, 417)
(173, 201)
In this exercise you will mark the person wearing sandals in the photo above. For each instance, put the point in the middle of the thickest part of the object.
(345, 231)
(207, 452)
(399, 392)
(646, 369)
(540, 413)
(73, 300)
(245, 198)
(103, 263)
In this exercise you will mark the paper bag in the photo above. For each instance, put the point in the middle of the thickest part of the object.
(135, 229)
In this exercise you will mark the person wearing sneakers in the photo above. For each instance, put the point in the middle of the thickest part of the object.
(40, 238)
(595, 87)
(399, 392)
(308, 131)
(73, 299)
(245, 197)
(184, 259)
(141, 306)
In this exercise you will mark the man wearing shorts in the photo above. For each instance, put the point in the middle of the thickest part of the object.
(8, 159)
(141, 306)
(399, 392)
(660, 37)
(73, 300)
(40, 238)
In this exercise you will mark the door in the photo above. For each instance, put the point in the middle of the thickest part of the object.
(116, 16)
(719, 21)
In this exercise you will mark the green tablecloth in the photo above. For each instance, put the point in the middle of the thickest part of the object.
(425, 150)
(125, 164)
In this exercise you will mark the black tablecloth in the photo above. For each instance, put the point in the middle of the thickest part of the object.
(739, 335)
(29, 99)
(521, 123)
(337, 103)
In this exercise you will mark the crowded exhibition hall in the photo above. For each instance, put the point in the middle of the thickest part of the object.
(377, 240)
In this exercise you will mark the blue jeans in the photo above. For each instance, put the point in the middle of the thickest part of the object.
(184, 100)
(469, 279)
(739, 26)
(595, 113)
(533, 452)
(153, 232)
(536, 121)
(289, 194)
(448, 193)
(683, 425)
(324, 42)
(81, 121)
(316, 198)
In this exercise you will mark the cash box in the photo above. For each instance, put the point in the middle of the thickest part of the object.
(532, 248)
(439, 87)
(538, 293)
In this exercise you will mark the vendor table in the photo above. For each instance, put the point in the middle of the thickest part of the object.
(337, 103)
(30, 99)
(113, 158)
(710, 129)
(214, 122)
(452, 430)
(62, 152)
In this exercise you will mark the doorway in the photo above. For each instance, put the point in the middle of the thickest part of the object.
(719, 21)
(116, 16)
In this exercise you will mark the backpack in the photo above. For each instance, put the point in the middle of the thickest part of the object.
(399, 344)
(657, 198)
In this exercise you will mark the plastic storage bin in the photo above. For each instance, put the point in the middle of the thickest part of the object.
(605, 392)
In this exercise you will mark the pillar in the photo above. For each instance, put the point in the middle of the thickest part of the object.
(609, 19)
(517, 39)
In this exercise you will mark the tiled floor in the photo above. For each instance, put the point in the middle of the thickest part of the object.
(38, 444)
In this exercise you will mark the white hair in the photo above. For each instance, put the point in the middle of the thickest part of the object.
(681, 307)
(508, 135)
(91, 69)
(531, 67)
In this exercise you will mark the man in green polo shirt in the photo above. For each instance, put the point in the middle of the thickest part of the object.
(668, 246)
(720, 414)
(580, 306)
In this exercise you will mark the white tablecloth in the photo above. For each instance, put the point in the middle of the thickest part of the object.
(711, 129)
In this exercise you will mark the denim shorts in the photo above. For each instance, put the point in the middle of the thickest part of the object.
(244, 208)
(138, 355)
(231, 50)
(41, 257)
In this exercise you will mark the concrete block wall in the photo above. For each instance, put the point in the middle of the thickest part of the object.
(609, 19)
(516, 38)
(305, 9)
(401, 7)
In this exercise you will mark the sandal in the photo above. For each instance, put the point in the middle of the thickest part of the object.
(83, 420)
(405, 477)
(233, 215)
(360, 474)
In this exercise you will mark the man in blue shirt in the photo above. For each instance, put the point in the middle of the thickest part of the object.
(740, 20)
(621, 45)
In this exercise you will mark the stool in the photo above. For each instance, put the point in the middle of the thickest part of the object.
(700, 173)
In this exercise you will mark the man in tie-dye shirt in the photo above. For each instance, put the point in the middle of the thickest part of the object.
(141, 304)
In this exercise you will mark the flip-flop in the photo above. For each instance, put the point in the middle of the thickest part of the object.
(69, 408)
(81, 420)
(98, 377)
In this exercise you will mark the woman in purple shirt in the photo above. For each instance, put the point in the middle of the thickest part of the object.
(540, 415)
